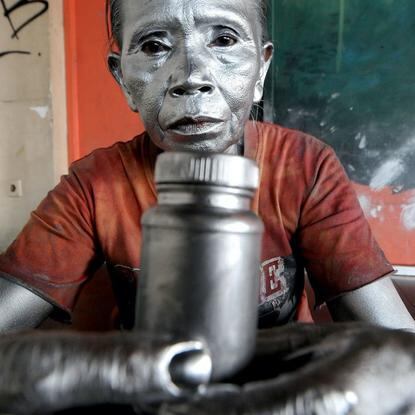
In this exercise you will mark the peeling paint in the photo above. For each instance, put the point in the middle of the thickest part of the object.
(375, 211)
(395, 170)
(41, 111)
(363, 142)
(398, 189)
(387, 173)
(369, 209)
(365, 204)
(334, 96)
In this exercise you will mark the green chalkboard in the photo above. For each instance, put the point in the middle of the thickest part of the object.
(344, 71)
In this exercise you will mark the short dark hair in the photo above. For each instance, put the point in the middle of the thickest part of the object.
(114, 21)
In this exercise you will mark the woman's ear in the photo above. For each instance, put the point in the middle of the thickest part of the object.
(267, 53)
(114, 65)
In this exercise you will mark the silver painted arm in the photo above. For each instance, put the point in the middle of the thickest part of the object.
(377, 303)
(20, 308)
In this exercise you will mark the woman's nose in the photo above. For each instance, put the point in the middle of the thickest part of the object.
(191, 77)
(191, 87)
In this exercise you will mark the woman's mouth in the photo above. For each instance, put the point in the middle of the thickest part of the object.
(194, 125)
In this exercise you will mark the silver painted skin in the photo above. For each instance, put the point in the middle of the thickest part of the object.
(200, 257)
(145, 83)
(192, 70)
(377, 303)
(333, 369)
(20, 308)
(44, 372)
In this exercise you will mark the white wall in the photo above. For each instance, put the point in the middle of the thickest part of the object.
(26, 140)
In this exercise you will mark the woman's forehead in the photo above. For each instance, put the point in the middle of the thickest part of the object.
(144, 12)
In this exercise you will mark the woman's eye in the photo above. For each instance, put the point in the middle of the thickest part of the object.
(224, 41)
(153, 48)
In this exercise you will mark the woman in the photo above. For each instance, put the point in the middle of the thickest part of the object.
(193, 70)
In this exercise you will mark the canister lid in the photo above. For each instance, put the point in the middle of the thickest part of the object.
(212, 169)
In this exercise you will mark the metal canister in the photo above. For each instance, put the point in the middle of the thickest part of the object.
(200, 256)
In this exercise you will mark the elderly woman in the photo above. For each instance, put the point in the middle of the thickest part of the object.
(193, 70)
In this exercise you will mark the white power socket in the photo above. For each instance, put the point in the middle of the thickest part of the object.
(15, 188)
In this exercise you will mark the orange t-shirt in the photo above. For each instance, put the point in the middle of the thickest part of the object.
(311, 215)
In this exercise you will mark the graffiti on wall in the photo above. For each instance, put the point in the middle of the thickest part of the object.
(33, 10)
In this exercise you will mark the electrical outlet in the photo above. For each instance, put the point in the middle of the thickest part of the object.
(15, 189)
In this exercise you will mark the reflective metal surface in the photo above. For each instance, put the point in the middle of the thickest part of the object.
(200, 261)
(46, 372)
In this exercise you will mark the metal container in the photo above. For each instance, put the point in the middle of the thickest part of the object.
(201, 256)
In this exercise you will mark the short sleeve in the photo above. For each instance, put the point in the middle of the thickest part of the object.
(56, 251)
(334, 238)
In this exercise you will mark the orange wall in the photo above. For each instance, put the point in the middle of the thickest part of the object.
(97, 113)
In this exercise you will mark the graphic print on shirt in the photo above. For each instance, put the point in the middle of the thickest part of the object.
(281, 286)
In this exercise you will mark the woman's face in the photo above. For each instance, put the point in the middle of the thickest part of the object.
(192, 69)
